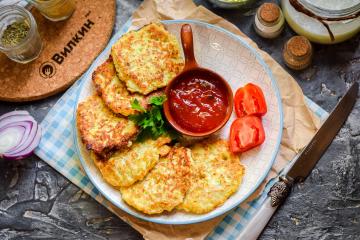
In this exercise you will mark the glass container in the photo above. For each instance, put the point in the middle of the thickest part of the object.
(233, 3)
(298, 53)
(54, 10)
(342, 17)
(269, 20)
(29, 47)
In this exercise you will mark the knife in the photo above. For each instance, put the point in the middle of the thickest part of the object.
(301, 166)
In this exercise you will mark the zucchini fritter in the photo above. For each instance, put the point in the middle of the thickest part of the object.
(147, 59)
(165, 185)
(114, 92)
(100, 129)
(127, 166)
(215, 175)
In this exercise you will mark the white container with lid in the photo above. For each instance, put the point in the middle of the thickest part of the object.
(341, 17)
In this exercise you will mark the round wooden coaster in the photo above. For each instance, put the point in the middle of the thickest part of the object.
(69, 47)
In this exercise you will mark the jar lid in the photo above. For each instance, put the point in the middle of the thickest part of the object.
(269, 13)
(298, 46)
(331, 5)
(298, 52)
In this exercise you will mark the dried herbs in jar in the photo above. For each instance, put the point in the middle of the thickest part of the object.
(15, 33)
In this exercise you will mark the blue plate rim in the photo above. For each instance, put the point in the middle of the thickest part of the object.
(261, 179)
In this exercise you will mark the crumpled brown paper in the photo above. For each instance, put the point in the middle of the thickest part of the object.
(300, 124)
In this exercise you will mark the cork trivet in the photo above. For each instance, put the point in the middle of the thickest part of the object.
(69, 47)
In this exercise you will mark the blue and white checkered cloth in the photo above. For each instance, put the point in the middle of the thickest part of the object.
(57, 148)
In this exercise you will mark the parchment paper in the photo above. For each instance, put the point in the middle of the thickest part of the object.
(300, 124)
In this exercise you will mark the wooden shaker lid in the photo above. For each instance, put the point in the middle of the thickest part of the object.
(269, 12)
(298, 52)
(299, 46)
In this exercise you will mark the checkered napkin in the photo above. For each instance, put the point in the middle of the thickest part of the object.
(57, 148)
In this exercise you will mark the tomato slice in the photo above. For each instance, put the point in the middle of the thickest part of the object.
(246, 132)
(250, 100)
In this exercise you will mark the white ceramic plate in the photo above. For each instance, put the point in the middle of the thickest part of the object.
(239, 63)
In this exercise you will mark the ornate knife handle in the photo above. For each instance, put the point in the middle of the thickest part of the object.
(280, 190)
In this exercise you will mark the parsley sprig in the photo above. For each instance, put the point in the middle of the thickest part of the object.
(152, 122)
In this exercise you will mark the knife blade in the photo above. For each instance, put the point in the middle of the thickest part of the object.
(324, 136)
(302, 165)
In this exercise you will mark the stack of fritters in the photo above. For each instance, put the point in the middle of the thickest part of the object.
(152, 175)
(114, 92)
(146, 60)
(196, 180)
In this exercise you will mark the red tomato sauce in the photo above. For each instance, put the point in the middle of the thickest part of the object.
(198, 105)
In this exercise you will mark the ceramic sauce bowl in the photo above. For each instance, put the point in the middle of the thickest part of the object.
(199, 101)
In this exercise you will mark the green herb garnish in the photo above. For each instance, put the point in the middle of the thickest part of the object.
(136, 106)
(15, 33)
(152, 122)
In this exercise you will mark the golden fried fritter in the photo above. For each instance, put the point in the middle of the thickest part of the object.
(103, 75)
(101, 130)
(114, 92)
(126, 166)
(215, 175)
(147, 59)
(165, 185)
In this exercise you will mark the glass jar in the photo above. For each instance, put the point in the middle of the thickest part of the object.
(54, 10)
(232, 3)
(28, 48)
(298, 53)
(269, 20)
(341, 17)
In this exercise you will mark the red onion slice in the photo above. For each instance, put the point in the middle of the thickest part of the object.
(25, 125)
(12, 120)
(16, 119)
(19, 135)
(27, 151)
(11, 137)
(16, 113)
(27, 142)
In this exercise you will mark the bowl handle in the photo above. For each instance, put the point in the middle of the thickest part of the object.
(188, 47)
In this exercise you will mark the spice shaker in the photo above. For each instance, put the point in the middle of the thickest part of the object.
(54, 10)
(19, 36)
(298, 53)
(269, 20)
